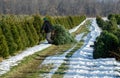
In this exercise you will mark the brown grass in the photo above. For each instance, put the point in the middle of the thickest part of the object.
(1, 59)
(30, 65)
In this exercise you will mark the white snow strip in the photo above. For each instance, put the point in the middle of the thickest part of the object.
(56, 63)
(7, 64)
(118, 26)
(105, 18)
(82, 64)
(79, 36)
(58, 60)
(75, 28)
(91, 68)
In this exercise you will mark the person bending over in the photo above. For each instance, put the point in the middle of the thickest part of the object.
(47, 28)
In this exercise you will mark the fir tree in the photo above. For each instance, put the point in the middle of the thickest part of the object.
(29, 34)
(23, 36)
(4, 50)
(37, 23)
(33, 31)
(9, 38)
(15, 34)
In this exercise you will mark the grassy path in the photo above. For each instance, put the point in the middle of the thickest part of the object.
(30, 66)
(59, 67)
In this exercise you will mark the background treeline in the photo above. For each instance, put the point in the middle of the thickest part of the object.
(18, 32)
(60, 7)
(108, 43)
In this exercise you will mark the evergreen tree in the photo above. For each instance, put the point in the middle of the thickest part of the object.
(29, 34)
(99, 51)
(23, 35)
(4, 50)
(33, 32)
(15, 33)
(105, 43)
(111, 16)
(118, 19)
(9, 38)
(62, 36)
(70, 21)
(104, 25)
(112, 26)
(37, 23)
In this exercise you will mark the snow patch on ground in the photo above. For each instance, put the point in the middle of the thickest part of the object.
(58, 60)
(79, 37)
(118, 26)
(7, 64)
(82, 64)
(75, 28)
(105, 18)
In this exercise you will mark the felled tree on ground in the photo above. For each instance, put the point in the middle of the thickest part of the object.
(62, 36)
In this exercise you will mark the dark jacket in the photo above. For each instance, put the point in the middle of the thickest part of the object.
(47, 27)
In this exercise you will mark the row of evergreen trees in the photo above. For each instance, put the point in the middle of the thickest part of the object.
(18, 32)
(109, 40)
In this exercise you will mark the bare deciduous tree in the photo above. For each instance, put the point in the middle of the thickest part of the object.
(60, 7)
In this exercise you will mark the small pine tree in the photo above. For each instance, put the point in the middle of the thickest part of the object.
(112, 25)
(99, 50)
(4, 50)
(34, 32)
(111, 16)
(118, 19)
(70, 21)
(23, 33)
(37, 23)
(29, 34)
(105, 43)
(16, 36)
(9, 38)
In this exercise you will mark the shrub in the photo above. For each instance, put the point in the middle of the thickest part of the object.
(99, 51)
(105, 43)
(112, 25)
(118, 18)
(101, 23)
(111, 16)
